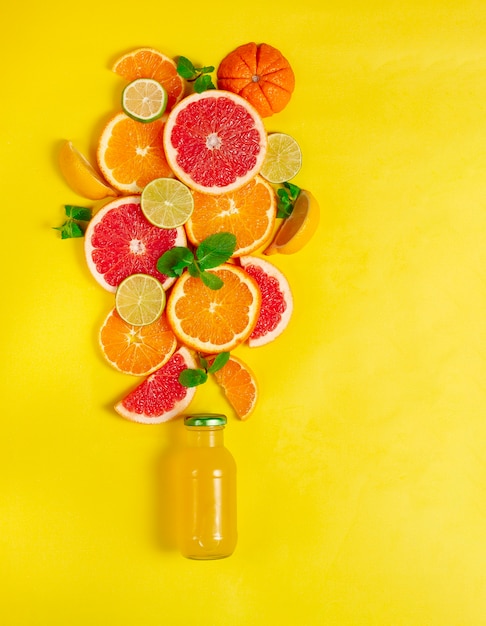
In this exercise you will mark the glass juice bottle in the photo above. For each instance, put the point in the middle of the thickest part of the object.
(207, 490)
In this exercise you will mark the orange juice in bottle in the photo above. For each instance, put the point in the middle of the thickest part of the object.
(207, 490)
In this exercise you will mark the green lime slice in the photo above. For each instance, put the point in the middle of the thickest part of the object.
(144, 100)
(140, 299)
(283, 159)
(167, 203)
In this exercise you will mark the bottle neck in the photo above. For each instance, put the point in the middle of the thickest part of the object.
(205, 436)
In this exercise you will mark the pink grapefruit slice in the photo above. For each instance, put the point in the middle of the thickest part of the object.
(277, 302)
(120, 241)
(160, 397)
(215, 141)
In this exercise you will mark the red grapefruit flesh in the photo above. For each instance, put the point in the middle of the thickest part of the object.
(120, 241)
(215, 141)
(277, 302)
(160, 397)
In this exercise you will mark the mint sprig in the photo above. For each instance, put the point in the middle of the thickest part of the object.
(72, 228)
(192, 377)
(287, 195)
(197, 75)
(211, 252)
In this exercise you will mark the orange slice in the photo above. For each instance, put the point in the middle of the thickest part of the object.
(239, 385)
(214, 320)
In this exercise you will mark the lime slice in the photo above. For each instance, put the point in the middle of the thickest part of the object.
(144, 100)
(140, 299)
(283, 159)
(167, 203)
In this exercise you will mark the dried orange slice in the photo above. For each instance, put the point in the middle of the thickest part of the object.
(249, 213)
(239, 385)
(214, 320)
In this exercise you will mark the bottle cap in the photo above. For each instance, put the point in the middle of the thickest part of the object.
(205, 419)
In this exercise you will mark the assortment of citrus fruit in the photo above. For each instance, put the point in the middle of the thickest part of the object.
(197, 193)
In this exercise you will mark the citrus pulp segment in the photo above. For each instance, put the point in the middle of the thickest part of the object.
(144, 100)
(160, 397)
(119, 241)
(167, 203)
(296, 230)
(277, 302)
(131, 154)
(150, 63)
(214, 320)
(140, 299)
(260, 74)
(249, 213)
(239, 385)
(80, 175)
(214, 141)
(136, 350)
(283, 159)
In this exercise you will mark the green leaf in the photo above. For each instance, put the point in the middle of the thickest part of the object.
(203, 362)
(70, 230)
(205, 70)
(211, 280)
(220, 361)
(203, 83)
(293, 189)
(186, 69)
(192, 377)
(284, 204)
(77, 212)
(215, 250)
(174, 261)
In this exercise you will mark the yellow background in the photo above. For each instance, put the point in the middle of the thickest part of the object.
(362, 475)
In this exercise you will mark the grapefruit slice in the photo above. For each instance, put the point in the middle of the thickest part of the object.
(277, 302)
(120, 241)
(160, 397)
(215, 141)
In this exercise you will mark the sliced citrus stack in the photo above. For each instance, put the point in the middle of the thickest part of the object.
(160, 397)
(80, 175)
(144, 100)
(297, 229)
(167, 203)
(248, 213)
(260, 74)
(131, 154)
(214, 320)
(119, 241)
(140, 299)
(239, 385)
(150, 63)
(277, 302)
(283, 159)
(136, 350)
(215, 141)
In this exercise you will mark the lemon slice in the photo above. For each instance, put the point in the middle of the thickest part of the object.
(80, 175)
(140, 299)
(296, 230)
(283, 159)
(144, 100)
(167, 203)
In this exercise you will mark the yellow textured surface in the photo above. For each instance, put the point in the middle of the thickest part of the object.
(362, 474)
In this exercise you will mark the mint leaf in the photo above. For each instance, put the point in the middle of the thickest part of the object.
(211, 280)
(215, 250)
(220, 361)
(174, 261)
(77, 212)
(203, 83)
(192, 377)
(186, 69)
(293, 189)
(70, 230)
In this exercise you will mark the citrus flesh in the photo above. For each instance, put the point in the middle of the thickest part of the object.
(167, 203)
(136, 350)
(277, 302)
(150, 63)
(140, 299)
(119, 241)
(214, 320)
(214, 141)
(80, 175)
(296, 230)
(239, 385)
(160, 397)
(144, 100)
(283, 159)
(249, 213)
